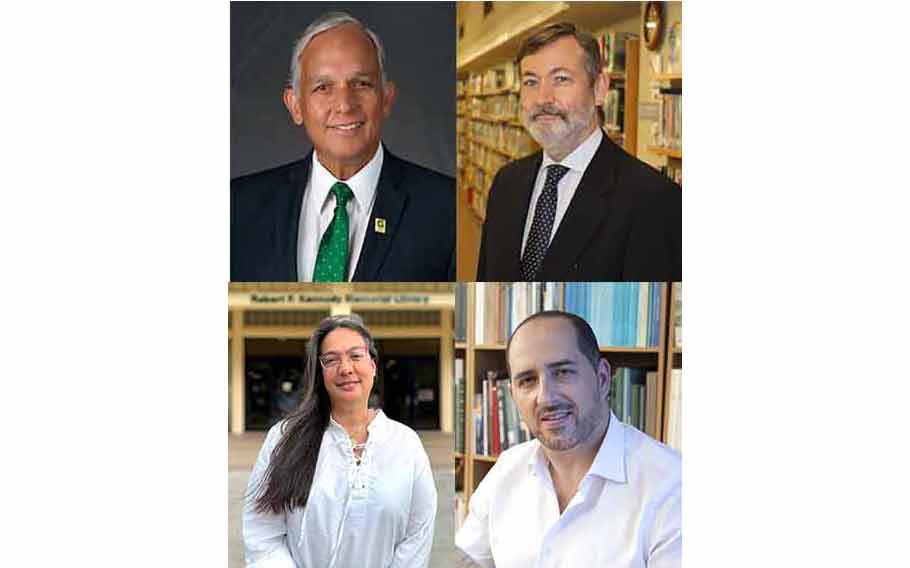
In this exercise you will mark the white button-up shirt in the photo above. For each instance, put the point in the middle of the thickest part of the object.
(378, 514)
(577, 162)
(626, 513)
(319, 209)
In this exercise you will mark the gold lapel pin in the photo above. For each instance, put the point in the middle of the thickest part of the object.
(379, 225)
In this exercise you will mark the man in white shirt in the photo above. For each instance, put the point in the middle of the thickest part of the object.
(582, 209)
(351, 210)
(589, 490)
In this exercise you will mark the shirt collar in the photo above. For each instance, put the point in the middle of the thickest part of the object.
(581, 156)
(363, 183)
(609, 462)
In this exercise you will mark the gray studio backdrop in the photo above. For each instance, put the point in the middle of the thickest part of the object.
(419, 39)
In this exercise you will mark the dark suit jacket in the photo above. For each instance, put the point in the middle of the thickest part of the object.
(418, 244)
(624, 223)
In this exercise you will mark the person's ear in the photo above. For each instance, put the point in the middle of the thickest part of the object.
(388, 98)
(292, 103)
(604, 377)
(601, 86)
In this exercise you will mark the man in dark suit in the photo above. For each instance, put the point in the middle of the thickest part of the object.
(582, 209)
(350, 210)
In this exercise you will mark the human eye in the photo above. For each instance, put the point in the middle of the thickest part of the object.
(362, 83)
(320, 88)
(357, 356)
(525, 382)
(562, 79)
(564, 372)
(529, 82)
(330, 360)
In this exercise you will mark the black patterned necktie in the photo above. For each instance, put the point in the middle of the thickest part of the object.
(542, 225)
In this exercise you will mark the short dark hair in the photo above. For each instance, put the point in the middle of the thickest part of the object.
(553, 32)
(584, 335)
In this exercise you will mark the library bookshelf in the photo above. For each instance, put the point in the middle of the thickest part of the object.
(472, 465)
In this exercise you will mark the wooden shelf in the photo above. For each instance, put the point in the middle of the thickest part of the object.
(461, 345)
(668, 77)
(669, 152)
(483, 53)
(488, 459)
(495, 120)
(612, 349)
(601, 348)
(497, 92)
(497, 150)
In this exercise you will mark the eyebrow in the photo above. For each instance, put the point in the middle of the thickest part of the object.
(553, 365)
(561, 363)
(358, 75)
(364, 347)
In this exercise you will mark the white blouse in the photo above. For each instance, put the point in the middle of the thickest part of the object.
(376, 514)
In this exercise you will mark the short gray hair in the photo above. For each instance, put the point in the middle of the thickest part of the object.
(324, 23)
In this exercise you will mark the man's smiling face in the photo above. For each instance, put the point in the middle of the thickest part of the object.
(340, 99)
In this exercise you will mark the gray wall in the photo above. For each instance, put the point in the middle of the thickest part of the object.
(419, 39)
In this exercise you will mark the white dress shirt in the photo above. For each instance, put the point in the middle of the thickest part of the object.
(626, 512)
(319, 209)
(379, 514)
(577, 162)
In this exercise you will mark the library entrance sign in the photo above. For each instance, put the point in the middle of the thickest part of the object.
(402, 300)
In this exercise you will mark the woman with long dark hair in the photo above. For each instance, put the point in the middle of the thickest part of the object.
(338, 484)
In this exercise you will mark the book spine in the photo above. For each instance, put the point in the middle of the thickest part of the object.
(494, 415)
(485, 421)
(500, 411)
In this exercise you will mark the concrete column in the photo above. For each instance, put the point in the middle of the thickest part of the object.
(238, 374)
(446, 371)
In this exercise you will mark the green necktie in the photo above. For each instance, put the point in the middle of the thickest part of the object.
(332, 260)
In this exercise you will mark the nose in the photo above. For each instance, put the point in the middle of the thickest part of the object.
(344, 99)
(544, 92)
(546, 394)
(346, 366)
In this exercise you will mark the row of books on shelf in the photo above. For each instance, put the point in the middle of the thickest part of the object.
(613, 49)
(614, 109)
(493, 80)
(500, 306)
(475, 177)
(513, 140)
(674, 172)
(487, 158)
(670, 124)
(622, 314)
(498, 425)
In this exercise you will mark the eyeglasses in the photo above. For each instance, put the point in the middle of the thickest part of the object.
(331, 361)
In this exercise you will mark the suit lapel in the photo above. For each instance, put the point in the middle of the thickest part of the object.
(513, 226)
(298, 180)
(389, 206)
(586, 212)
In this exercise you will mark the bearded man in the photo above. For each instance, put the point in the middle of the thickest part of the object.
(582, 209)
(588, 490)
